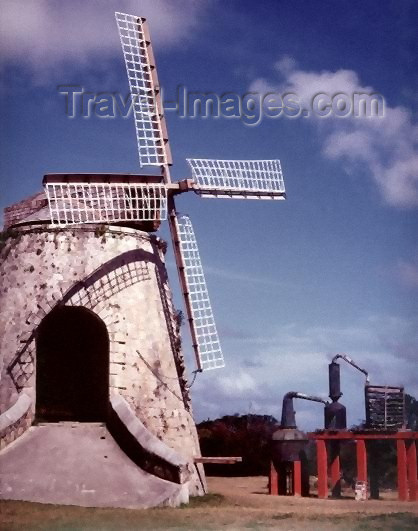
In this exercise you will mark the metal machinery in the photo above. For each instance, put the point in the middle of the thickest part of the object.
(335, 413)
(385, 420)
(385, 405)
(289, 472)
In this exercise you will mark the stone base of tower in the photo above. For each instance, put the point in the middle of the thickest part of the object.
(86, 317)
(80, 464)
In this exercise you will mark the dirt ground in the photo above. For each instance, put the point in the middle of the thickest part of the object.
(233, 503)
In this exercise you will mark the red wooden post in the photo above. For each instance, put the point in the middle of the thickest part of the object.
(402, 478)
(273, 480)
(412, 470)
(361, 460)
(284, 475)
(321, 456)
(335, 469)
(297, 478)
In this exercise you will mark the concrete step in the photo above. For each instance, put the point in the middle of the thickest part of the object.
(74, 463)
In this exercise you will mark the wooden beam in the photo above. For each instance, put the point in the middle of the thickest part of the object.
(411, 457)
(335, 469)
(175, 237)
(361, 460)
(402, 475)
(344, 435)
(273, 480)
(297, 478)
(218, 460)
(321, 457)
(101, 178)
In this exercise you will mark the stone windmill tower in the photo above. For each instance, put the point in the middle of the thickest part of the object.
(94, 402)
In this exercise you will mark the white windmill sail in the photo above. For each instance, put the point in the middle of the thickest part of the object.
(105, 202)
(203, 324)
(150, 128)
(109, 198)
(249, 179)
(153, 147)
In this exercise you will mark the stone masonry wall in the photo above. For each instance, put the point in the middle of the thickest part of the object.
(19, 211)
(119, 274)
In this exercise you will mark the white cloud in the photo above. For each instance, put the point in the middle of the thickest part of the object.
(249, 280)
(237, 384)
(385, 146)
(408, 272)
(285, 64)
(46, 34)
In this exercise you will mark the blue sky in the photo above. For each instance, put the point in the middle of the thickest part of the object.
(332, 269)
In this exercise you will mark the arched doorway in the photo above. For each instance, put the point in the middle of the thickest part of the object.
(72, 366)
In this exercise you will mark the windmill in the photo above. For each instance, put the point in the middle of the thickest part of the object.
(90, 357)
(140, 199)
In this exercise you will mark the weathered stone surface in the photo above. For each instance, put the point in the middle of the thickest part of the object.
(119, 274)
(144, 448)
(24, 209)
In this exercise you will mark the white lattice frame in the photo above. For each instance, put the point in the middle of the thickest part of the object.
(238, 178)
(143, 86)
(203, 323)
(90, 202)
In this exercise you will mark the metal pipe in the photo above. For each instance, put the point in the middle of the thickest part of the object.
(288, 413)
(352, 363)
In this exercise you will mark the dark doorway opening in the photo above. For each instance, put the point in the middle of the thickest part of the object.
(72, 366)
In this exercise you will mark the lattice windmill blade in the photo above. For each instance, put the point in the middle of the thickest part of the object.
(79, 201)
(248, 179)
(153, 148)
(151, 131)
(200, 315)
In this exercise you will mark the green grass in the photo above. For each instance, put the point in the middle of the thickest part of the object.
(213, 511)
(208, 500)
(388, 522)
